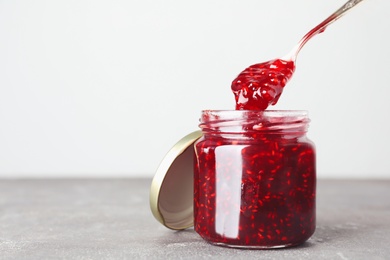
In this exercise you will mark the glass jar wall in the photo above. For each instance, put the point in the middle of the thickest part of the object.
(254, 179)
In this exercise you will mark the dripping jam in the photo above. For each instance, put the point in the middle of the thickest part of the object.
(261, 85)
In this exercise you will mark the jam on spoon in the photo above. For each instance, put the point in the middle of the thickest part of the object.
(261, 85)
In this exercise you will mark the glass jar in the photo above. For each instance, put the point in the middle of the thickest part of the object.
(254, 179)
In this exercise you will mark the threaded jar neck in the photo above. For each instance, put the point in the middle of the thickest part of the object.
(283, 122)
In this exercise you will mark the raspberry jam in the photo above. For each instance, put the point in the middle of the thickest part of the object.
(254, 179)
(261, 85)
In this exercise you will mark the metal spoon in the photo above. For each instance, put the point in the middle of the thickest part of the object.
(320, 28)
(261, 85)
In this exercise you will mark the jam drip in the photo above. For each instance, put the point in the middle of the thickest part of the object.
(261, 85)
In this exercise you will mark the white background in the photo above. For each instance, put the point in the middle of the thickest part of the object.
(105, 88)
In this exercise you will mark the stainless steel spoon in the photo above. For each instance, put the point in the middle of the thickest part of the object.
(261, 85)
(320, 28)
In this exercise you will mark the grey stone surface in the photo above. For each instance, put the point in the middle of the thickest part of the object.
(110, 219)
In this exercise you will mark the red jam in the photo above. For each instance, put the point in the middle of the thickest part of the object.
(261, 85)
(255, 179)
(254, 173)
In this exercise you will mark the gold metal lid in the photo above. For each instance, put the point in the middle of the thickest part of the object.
(172, 192)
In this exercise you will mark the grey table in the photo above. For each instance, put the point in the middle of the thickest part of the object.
(110, 219)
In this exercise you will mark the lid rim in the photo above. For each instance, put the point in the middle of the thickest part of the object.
(154, 196)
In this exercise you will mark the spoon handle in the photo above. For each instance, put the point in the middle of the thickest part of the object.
(321, 27)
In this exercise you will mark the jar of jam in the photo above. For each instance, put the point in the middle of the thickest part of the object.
(246, 180)
(254, 179)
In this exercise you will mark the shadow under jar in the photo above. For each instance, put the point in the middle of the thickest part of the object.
(254, 179)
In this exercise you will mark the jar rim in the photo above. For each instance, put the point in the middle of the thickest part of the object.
(270, 121)
(262, 112)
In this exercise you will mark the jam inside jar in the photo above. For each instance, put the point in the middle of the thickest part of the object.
(254, 179)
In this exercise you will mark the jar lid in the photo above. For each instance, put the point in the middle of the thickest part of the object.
(172, 192)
